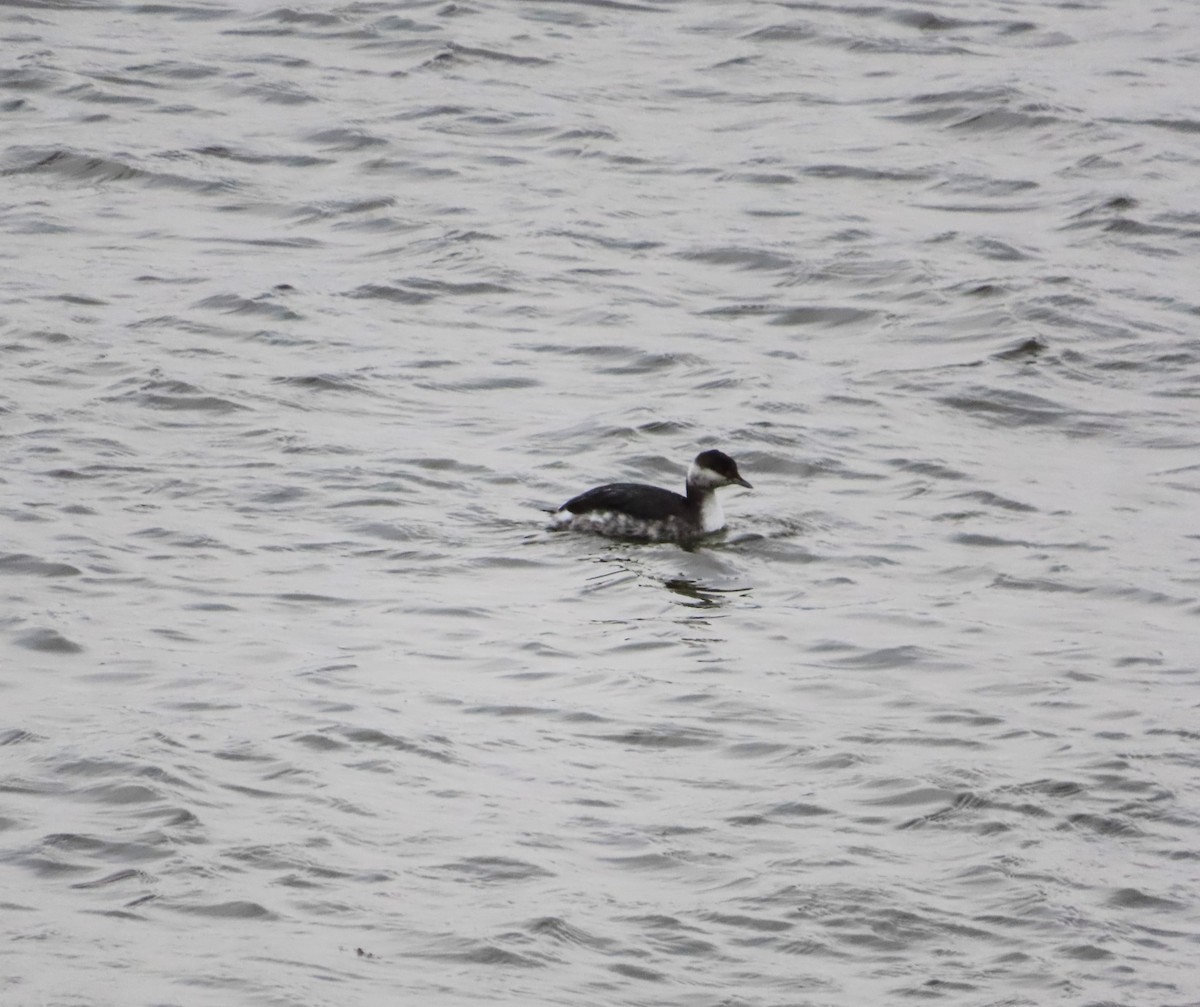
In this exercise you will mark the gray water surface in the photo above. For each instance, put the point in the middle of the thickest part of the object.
(307, 312)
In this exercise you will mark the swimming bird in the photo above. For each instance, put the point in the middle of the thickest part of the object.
(637, 511)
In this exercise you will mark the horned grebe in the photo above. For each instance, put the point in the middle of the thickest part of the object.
(634, 510)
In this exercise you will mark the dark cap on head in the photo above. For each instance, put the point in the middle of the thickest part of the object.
(720, 463)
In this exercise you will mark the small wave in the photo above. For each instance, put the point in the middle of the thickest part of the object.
(759, 177)
(606, 241)
(904, 656)
(496, 56)
(344, 139)
(858, 173)
(650, 363)
(321, 383)
(417, 169)
(562, 932)
(238, 909)
(272, 92)
(382, 739)
(26, 79)
(177, 396)
(235, 304)
(177, 70)
(796, 31)
(21, 563)
(18, 736)
(996, 500)
(664, 737)
(88, 92)
(927, 468)
(289, 15)
(622, 5)
(486, 384)
(95, 170)
(418, 290)
(495, 870)
(997, 542)
(744, 258)
(286, 160)
(183, 12)
(1005, 120)
(827, 315)
(1038, 584)
(47, 641)
(592, 133)
(384, 292)
(1174, 125)
(474, 952)
(1027, 349)
(1008, 408)
(116, 877)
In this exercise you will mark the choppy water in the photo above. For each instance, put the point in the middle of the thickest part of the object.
(307, 312)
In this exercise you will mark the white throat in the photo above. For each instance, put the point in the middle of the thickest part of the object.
(712, 515)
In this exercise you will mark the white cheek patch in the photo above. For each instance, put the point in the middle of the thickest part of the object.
(705, 479)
